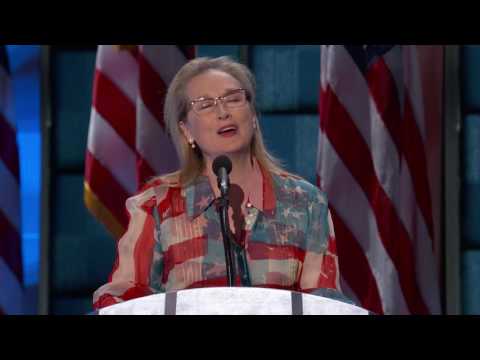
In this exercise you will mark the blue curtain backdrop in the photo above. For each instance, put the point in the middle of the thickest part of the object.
(25, 71)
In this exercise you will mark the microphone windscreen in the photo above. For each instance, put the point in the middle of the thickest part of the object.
(221, 161)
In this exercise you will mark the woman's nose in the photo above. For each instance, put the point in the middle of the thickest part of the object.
(222, 111)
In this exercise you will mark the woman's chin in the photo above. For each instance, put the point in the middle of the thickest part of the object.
(231, 151)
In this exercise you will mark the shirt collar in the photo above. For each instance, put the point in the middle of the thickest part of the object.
(198, 196)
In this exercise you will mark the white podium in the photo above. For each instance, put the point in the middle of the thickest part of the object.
(233, 301)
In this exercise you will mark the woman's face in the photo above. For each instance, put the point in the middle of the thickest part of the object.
(225, 129)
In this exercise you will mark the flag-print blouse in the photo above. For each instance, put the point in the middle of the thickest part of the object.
(174, 241)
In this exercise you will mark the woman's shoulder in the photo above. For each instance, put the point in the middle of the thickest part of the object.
(167, 181)
(300, 186)
(153, 191)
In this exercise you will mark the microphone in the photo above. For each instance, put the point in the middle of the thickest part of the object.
(222, 166)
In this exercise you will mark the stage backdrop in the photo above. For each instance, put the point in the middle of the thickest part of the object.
(80, 251)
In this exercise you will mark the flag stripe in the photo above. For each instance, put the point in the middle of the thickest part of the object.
(10, 198)
(11, 271)
(166, 60)
(121, 68)
(115, 108)
(132, 49)
(10, 247)
(106, 187)
(6, 103)
(149, 134)
(158, 65)
(416, 158)
(357, 271)
(152, 90)
(8, 148)
(413, 86)
(404, 134)
(394, 62)
(380, 82)
(11, 294)
(112, 152)
(356, 155)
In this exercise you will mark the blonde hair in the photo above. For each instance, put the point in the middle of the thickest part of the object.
(176, 108)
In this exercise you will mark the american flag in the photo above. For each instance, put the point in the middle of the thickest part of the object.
(127, 141)
(11, 274)
(373, 163)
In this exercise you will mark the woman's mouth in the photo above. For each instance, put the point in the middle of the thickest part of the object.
(227, 131)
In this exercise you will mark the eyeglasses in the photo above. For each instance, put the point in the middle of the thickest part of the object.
(234, 99)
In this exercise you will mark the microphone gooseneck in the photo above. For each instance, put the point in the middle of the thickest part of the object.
(222, 166)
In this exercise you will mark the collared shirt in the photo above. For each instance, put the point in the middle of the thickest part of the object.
(174, 241)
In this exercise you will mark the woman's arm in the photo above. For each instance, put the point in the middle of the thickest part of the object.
(131, 272)
(320, 266)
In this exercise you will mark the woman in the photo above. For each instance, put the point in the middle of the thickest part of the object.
(283, 234)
